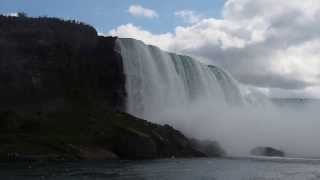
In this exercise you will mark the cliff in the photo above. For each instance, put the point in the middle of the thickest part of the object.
(50, 64)
(63, 95)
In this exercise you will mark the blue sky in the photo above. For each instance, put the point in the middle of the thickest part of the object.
(108, 14)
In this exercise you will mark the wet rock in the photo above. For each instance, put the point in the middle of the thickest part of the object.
(209, 148)
(94, 153)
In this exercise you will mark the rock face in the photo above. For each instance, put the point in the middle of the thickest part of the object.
(47, 63)
(62, 92)
(267, 151)
(209, 148)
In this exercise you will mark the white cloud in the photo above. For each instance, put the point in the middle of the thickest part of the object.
(14, 14)
(139, 11)
(131, 31)
(302, 61)
(189, 16)
(266, 43)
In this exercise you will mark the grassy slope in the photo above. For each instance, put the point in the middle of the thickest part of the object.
(66, 134)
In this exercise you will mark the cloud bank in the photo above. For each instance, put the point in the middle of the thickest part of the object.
(264, 43)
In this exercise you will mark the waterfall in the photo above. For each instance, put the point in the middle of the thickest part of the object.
(158, 81)
(205, 102)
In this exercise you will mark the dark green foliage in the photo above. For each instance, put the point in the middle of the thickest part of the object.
(22, 14)
(125, 135)
(9, 121)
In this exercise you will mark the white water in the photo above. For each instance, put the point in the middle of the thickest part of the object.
(207, 103)
(157, 81)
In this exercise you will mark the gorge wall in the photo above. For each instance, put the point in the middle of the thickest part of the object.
(63, 94)
(45, 62)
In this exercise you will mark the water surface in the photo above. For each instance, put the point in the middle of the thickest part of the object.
(176, 169)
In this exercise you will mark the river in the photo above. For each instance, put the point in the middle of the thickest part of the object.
(167, 169)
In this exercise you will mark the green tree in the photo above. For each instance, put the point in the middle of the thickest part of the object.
(22, 14)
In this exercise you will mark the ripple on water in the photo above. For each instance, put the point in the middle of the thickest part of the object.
(177, 169)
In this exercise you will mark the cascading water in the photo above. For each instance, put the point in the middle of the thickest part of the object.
(206, 103)
(157, 81)
(163, 87)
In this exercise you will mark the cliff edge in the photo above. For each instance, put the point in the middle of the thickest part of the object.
(63, 96)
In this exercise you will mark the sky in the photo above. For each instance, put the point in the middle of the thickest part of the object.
(105, 15)
(270, 45)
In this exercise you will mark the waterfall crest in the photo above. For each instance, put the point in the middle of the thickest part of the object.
(157, 81)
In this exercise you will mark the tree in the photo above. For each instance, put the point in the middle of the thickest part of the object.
(22, 14)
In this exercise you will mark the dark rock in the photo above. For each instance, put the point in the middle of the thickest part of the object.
(267, 151)
(136, 145)
(47, 63)
(136, 138)
(93, 153)
(209, 148)
(9, 121)
(172, 143)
